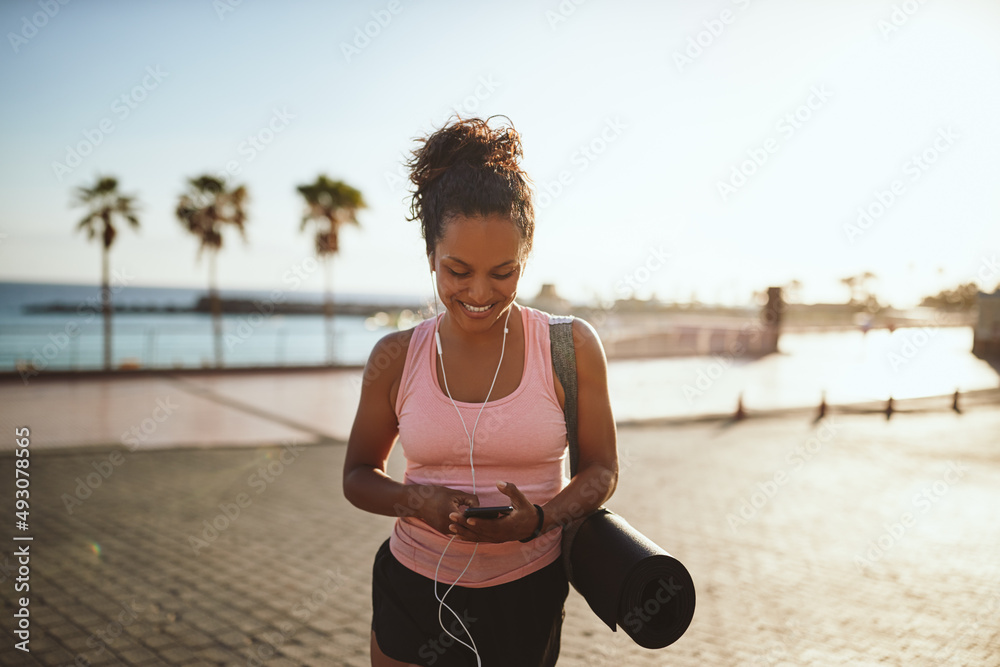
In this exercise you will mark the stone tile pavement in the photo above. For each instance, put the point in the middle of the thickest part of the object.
(183, 409)
(856, 540)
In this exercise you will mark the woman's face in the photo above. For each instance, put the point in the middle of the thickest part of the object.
(478, 262)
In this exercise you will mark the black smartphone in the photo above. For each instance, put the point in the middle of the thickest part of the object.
(487, 512)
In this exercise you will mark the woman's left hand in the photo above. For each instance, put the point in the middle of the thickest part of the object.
(517, 525)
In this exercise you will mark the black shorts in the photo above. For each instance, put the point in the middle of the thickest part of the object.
(517, 623)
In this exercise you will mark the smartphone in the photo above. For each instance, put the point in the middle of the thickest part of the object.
(487, 512)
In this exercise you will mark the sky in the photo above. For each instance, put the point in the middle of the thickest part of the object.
(678, 149)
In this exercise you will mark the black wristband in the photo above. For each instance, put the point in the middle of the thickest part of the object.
(538, 528)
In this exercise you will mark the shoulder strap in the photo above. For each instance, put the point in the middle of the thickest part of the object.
(564, 361)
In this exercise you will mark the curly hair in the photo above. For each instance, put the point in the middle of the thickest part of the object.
(469, 168)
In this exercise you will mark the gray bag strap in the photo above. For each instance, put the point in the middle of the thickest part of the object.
(564, 361)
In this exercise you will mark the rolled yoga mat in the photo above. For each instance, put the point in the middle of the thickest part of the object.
(628, 580)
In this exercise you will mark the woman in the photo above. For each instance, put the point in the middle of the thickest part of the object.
(473, 398)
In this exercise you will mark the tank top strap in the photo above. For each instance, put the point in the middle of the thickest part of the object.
(538, 349)
(418, 359)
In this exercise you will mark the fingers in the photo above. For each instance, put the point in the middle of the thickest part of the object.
(476, 530)
(465, 528)
(459, 524)
(443, 505)
(502, 529)
(463, 499)
(472, 529)
(517, 499)
(463, 533)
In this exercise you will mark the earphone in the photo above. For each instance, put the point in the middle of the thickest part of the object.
(472, 440)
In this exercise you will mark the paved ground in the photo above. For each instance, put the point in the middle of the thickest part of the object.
(195, 410)
(853, 541)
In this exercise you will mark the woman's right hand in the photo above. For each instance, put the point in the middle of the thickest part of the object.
(432, 505)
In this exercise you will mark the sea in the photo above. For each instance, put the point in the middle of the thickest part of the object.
(73, 340)
(839, 366)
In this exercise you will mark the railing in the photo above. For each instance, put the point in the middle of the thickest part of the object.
(183, 342)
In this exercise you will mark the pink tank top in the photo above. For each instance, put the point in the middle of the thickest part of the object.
(521, 438)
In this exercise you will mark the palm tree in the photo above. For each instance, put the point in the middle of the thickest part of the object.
(105, 204)
(329, 204)
(204, 209)
(851, 283)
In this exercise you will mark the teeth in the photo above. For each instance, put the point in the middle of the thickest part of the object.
(473, 309)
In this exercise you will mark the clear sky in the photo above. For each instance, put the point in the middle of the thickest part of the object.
(712, 148)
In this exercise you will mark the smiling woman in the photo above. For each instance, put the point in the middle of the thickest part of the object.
(471, 392)
(477, 263)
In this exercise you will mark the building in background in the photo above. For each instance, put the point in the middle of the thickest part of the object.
(550, 301)
(986, 331)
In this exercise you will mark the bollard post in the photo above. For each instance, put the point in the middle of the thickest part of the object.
(771, 316)
(740, 412)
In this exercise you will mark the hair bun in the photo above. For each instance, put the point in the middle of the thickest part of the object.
(471, 141)
(471, 168)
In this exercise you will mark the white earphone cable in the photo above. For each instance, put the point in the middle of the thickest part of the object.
(472, 440)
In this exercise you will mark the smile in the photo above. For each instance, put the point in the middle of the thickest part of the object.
(474, 309)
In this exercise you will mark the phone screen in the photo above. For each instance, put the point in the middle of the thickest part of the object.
(487, 512)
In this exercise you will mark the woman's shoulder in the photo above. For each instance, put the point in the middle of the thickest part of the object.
(388, 357)
(392, 343)
(542, 316)
(587, 346)
(591, 362)
(584, 334)
(395, 341)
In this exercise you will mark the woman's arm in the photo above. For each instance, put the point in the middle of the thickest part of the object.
(597, 473)
(597, 439)
(367, 485)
